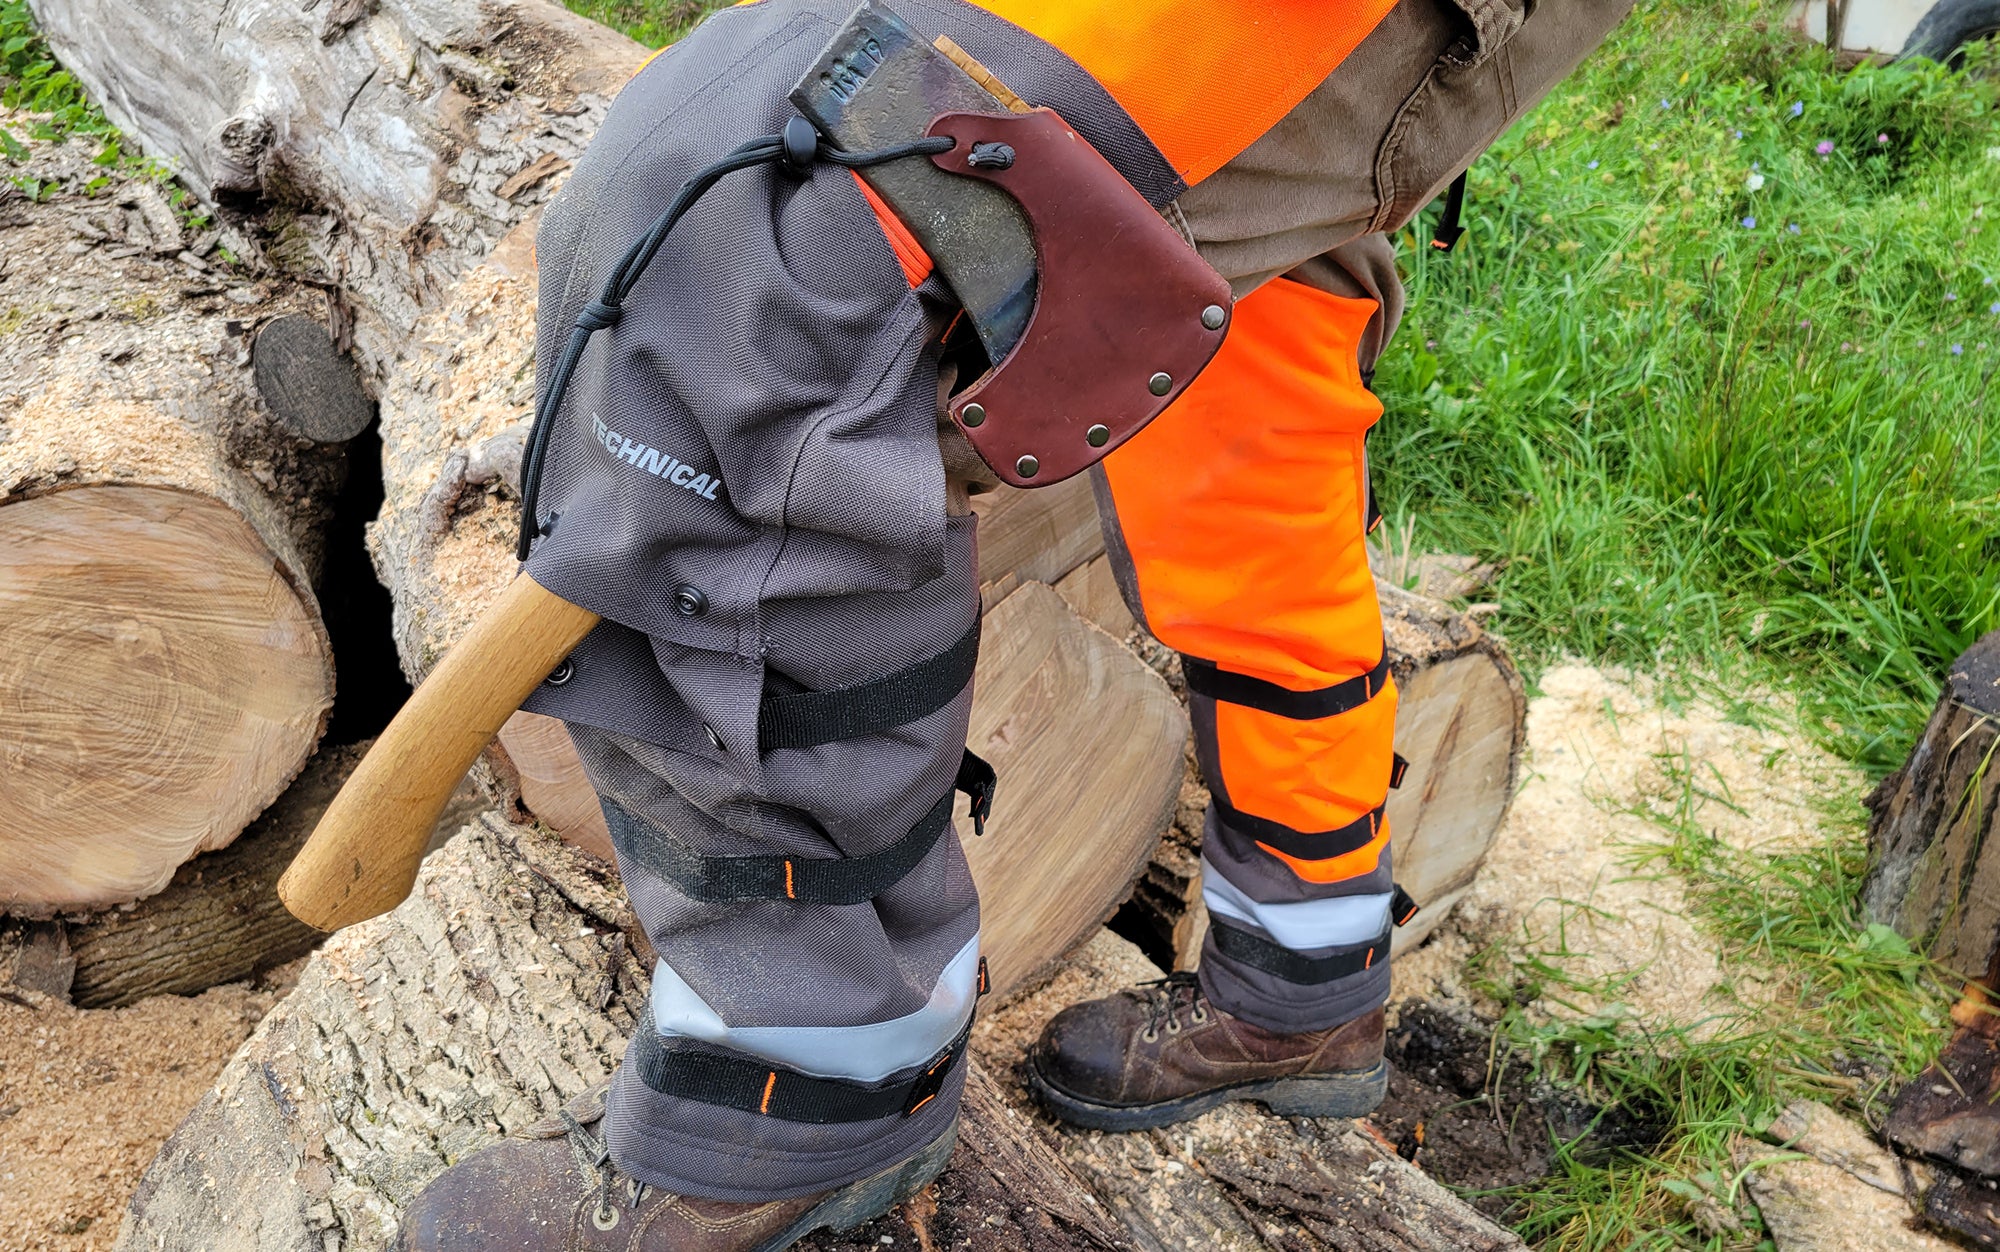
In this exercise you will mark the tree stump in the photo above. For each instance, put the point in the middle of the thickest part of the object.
(502, 987)
(1934, 836)
(164, 671)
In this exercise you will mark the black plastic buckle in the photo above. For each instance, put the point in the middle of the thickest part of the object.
(1402, 907)
(1398, 767)
(931, 1081)
(985, 984)
(978, 781)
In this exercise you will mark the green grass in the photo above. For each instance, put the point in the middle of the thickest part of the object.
(1748, 429)
(57, 111)
(1815, 1004)
(655, 23)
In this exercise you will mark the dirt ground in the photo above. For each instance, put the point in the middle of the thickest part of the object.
(87, 1096)
(1603, 749)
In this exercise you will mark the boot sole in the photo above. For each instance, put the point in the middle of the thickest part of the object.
(860, 1202)
(1353, 1093)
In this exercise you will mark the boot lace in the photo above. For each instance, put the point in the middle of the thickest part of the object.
(1179, 992)
(593, 1156)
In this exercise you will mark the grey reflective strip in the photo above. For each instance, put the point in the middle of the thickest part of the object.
(1305, 926)
(856, 1053)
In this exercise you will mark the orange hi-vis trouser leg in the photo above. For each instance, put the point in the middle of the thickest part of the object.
(1243, 511)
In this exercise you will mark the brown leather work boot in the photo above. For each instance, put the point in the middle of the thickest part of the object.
(1161, 1053)
(556, 1190)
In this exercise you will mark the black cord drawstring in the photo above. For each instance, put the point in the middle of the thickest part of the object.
(783, 149)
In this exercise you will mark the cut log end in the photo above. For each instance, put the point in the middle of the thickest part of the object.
(121, 604)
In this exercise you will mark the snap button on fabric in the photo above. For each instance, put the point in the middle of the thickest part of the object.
(561, 673)
(689, 602)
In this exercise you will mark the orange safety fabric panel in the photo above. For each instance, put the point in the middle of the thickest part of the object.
(1243, 507)
(1202, 78)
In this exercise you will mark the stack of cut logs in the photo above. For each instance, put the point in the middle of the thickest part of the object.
(173, 442)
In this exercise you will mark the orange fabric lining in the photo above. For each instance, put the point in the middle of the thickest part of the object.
(1202, 78)
(910, 254)
(1242, 507)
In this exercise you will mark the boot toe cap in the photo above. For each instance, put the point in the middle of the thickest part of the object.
(1083, 1050)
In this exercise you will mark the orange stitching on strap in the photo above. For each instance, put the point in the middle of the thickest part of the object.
(769, 1085)
(1370, 961)
(789, 893)
(919, 1104)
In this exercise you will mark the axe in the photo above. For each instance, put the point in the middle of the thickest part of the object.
(1093, 313)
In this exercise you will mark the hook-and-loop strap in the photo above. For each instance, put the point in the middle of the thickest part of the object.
(1317, 845)
(809, 880)
(1208, 679)
(1296, 967)
(805, 719)
(692, 1070)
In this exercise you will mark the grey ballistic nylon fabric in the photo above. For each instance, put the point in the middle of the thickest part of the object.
(775, 347)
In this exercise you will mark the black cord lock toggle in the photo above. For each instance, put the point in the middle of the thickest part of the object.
(798, 146)
(991, 156)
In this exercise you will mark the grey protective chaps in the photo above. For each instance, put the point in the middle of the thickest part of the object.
(746, 481)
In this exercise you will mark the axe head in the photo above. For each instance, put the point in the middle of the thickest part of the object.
(1094, 313)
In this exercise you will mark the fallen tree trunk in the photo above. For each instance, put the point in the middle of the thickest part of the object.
(399, 139)
(501, 988)
(1935, 833)
(1239, 1179)
(165, 669)
(220, 919)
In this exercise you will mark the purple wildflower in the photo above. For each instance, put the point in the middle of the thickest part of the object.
(1739, 134)
(1792, 227)
(1666, 103)
(1591, 166)
(1825, 147)
(1950, 296)
(1993, 307)
(1749, 223)
(1798, 107)
(1882, 138)
(1958, 349)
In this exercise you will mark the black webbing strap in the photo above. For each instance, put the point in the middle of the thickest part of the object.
(1295, 967)
(1305, 845)
(809, 880)
(805, 718)
(1398, 769)
(1402, 907)
(1449, 229)
(701, 1072)
(1208, 679)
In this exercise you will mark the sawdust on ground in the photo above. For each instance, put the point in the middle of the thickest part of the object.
(1604, 749)
(88, 1095)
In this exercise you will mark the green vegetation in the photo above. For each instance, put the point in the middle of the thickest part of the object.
(58, 112)
(1710, 371)
(655, 23)
(1710, 375)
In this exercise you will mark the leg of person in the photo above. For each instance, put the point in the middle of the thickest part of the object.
(799, 1065)
(1239, 520)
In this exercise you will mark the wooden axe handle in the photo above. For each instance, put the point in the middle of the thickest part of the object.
(362, 858)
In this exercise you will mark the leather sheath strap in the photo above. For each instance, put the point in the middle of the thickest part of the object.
(807, 718)
(1296, 967)
(1208, 679)
(809, 880)
(692, 1070)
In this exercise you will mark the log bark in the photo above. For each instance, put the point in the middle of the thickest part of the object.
(1935, 831)
(166, 669)
(504, 986)
(394, 142)
(1239, 1179)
